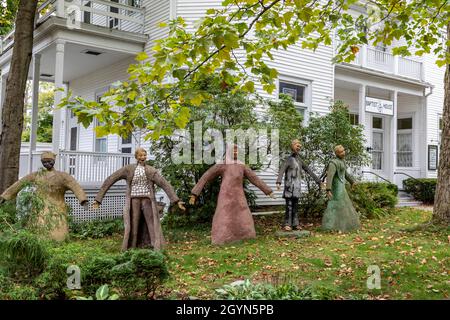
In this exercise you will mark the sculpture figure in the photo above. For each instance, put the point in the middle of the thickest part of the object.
(50, 185)
(292, 172)
(232, 219)
(340, 214)
(140, 215)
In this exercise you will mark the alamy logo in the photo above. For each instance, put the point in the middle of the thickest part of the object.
(374, 279)
(73, 13)
(74, 279)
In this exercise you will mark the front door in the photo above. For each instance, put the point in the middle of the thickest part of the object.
(378, 144)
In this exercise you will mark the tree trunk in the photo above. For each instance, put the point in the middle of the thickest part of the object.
(13, 107)
(441, 212)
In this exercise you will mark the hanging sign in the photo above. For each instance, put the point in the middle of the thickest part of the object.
(379, 106)
(432, 157)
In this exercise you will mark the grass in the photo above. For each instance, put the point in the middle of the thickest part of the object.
(414, 262)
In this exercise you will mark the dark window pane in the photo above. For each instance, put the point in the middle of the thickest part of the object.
(354, 119)
(441, 124)
(297, 92)
(126, 140)
(377, 123)
(73, 138)
(404, 123)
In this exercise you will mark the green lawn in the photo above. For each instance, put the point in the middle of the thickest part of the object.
(413, 264)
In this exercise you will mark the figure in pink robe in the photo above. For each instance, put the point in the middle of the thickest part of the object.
(232, 220)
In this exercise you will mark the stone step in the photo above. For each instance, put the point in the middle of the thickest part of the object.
(409, 204)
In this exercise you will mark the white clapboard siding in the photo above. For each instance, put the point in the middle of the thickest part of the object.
(87, 87)
(435, 101)
(294, 64)
(157, 11)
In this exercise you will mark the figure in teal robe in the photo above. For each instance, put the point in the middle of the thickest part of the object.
(340, 214)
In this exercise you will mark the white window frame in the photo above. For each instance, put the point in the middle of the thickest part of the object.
(98, 94)
(354, 113)
(383, 132)
(405, 131)
(306, 106)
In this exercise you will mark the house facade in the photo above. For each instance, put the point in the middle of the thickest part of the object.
(86, 46)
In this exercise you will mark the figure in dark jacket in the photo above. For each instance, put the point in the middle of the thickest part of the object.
(292, 172)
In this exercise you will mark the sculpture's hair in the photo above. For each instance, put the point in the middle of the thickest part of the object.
(338, 147)
(139, 150)
(294, 142)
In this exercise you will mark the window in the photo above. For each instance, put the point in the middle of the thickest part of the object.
(297, 92)
(354, 118)
(100, 143)
(86, 14)
(73, 138)
(300, 94)
(377, 143)
(114, 22)
(441, 127)
(404, 142)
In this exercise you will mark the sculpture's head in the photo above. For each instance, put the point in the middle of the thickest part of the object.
(296, 146)
(48, 159)
(339, 150)
(141, 155)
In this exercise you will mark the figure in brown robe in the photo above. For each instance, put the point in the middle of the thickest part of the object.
(51, 185)
(232, 220)
(140, 215)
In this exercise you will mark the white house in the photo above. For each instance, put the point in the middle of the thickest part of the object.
(398, 100)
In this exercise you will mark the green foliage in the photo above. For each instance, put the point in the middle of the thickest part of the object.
(96, 229)
(374, 199)
(149, 101)
(102, 293)
(45, 115)
(22, 254)
(284, 116)
(245, 290)
(228, 110)
(8, 11)
(134, 273)
(8, 215)
(422, 189)
(51, 284)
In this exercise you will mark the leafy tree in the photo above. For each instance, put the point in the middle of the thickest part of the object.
(257, 28)
(7, 15)
(45, 117)
(13, 106)
(228, 110)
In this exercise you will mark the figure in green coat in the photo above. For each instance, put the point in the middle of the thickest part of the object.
(340, 214)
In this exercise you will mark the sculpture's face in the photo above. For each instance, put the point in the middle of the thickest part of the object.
(340, 153)
(48, 163)
(296, 146)
(141, 156)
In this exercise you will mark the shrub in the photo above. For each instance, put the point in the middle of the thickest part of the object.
(245, 290)
(373, 199)
(52, 283)
(22, 254)
(96, 229)
(134, 273)
(421, 189)
(8, 215)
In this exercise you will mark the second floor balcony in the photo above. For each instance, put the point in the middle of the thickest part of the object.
(121, 15)
(382, 60)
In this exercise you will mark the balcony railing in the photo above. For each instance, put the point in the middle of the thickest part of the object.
(376, 59)
(105, 13)
(88, 168)
(91, 167)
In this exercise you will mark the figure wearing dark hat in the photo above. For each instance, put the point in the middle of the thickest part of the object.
(51, 185)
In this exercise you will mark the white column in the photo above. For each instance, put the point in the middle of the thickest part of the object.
(363, 56)
(396, 61)
(394, 135)
(2, 96)
(59, 84)
(34, 110)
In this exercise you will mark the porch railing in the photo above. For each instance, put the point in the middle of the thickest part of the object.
(104, 13)
(376, 59)
(90, 167)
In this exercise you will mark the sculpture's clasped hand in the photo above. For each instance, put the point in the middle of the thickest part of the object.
(192, 200)
(181, 205)
(96, 205)
(278, 186)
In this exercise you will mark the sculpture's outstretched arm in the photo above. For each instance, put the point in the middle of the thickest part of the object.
(283, 170)
(73, 185)
(253, 178)
(161, 182)
(116, 176)
(311, 173)
(208, 176)
(14, 189)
